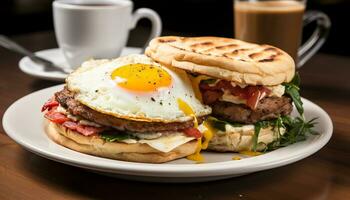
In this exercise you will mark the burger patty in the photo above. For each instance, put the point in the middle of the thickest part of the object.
(66, 100)
(267, 108)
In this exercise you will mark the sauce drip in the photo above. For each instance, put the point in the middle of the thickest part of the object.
(250, 153)
(207, 134)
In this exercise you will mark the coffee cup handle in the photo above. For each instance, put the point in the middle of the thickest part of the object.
(153, 17)
(318, 37)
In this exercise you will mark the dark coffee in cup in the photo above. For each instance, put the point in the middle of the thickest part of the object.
(278, 23)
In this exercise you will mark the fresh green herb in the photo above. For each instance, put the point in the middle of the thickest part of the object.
(116, 137)
(296, 79)
(221, 125)
(278, 124)
(292, 89)
(297, 129)
(257, 128)
(209, 81)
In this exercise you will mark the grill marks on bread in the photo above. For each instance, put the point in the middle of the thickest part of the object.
(201, 44)
(224, 58)
(272, 54)
(228, 48)
(161, 40)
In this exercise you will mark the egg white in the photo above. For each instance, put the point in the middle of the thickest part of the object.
(95, 88)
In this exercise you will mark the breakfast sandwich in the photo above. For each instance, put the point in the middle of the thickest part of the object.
(130, 108)
(249, 87)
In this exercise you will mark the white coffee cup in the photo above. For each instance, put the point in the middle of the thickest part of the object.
(88, 29)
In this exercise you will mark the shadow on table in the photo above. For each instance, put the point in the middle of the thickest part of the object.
(291, 182)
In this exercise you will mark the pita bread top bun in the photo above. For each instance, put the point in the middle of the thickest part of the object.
(224, 58)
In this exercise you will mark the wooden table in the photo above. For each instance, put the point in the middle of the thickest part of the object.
(324, 175)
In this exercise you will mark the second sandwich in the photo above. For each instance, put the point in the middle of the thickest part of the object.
(242, 82)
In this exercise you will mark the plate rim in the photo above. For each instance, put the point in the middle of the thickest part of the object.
(165, 169)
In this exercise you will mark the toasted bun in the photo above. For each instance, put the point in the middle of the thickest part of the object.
(236, 141)
(224, 58)
(94, 145)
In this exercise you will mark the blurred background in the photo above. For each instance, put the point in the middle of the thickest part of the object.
(188, 17)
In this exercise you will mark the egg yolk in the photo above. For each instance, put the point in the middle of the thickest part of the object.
(141, 77)
(184, 107)
(207, 134)
(195, 85)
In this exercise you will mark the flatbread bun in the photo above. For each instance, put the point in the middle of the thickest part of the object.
(94, 145)
(242, 140)
(224, 58)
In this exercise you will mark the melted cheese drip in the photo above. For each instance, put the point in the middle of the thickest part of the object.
(197, 156)
(208, 134)
(236, 158)
(195, 85)
(250, 153)
(202, 145)
(184, 107)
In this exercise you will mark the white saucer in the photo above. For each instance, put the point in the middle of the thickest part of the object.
(29, 133)
(55, 55)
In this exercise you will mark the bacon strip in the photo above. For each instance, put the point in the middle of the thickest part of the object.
(62, 119)
(84, 130)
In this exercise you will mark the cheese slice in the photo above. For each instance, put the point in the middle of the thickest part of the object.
(165, 143)
(184, 107)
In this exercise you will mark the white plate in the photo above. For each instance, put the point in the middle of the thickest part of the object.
(55, 55)
(23, 122)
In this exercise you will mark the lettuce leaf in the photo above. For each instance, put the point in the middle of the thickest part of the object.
(117, 137)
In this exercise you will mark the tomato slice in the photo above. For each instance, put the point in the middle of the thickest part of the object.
(56, 117)
(255, 94)
(239, 92)
(252, 94)
(193, 132)
(49, 104)
(253, 100)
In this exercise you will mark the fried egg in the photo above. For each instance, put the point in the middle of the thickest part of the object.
(135, 87)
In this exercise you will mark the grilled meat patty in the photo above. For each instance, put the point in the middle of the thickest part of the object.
(66, 100)
(265, 109)
(268, 108)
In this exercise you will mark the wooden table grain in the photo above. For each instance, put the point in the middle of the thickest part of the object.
(324, 175)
